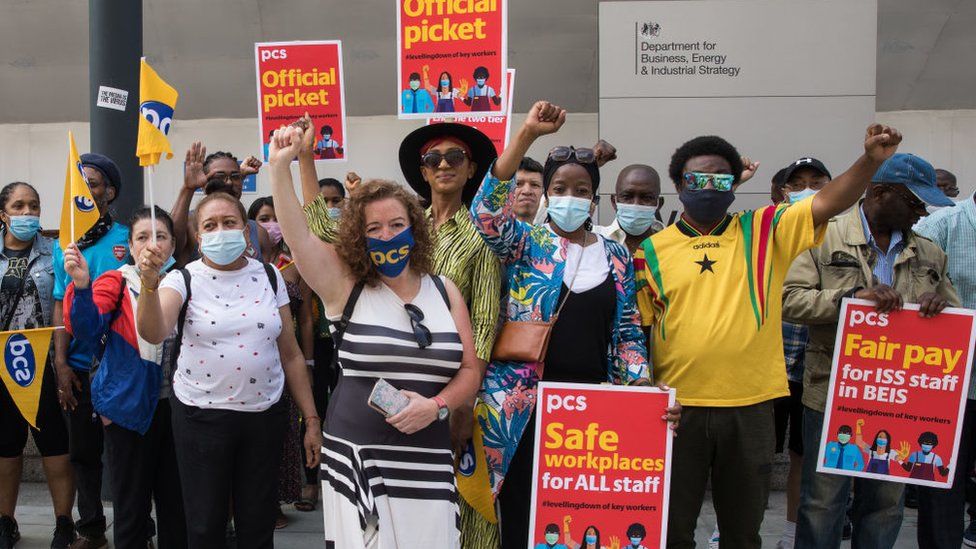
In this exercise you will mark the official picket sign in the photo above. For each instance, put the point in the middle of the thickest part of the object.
(451, 57)
(496, 127)
(897, 394)
(596, 468)
(298, 77)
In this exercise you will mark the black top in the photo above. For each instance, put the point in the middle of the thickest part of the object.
(28, 314)
(578, 346)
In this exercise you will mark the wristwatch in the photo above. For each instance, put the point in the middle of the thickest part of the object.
(443, 412)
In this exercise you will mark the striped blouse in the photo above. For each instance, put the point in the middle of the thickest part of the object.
(459, 254)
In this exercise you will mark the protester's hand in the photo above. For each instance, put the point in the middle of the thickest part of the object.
(463, 87)
(566, 522)
(749, 168)
(614, 542)
(313, 442)
(419, 413)
(885, 298)
(76, 266)
(673, 414)
(352, 182)
(68, 383)
(904, 450)
(284, 146)
(308, 133)
(193, 176)
(544, 118)
(605, 152)
(250, 166)
(151, 261)
(929, 304)
(881, 142)
(462, 428)
(425, 72)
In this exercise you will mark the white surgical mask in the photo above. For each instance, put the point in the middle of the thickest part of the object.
(635, 219)
(569, 212)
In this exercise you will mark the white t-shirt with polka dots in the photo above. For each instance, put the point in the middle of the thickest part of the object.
(229, 356)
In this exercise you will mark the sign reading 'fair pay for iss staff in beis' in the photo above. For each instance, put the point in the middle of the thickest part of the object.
(897, 394)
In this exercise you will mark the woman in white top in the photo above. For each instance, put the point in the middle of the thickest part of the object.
(237, 351)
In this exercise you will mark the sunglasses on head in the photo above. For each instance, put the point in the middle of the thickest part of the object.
(562, 154)
(454, 157)
(720, 181)
(420, 332)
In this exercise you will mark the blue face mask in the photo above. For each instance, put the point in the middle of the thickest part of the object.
(24, 227)
(480, 82)
(223, 247)
(445, 83)
(589, 539)
(636, 541)
(635, 219)
(569, 212)
(927, 448)
(334, 213)
(797, 196)
(168, 264)
(881, 442)
(391, 256)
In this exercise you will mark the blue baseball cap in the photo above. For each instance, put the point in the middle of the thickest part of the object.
(915, 173)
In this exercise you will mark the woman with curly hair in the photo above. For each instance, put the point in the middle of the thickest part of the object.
(392, 320)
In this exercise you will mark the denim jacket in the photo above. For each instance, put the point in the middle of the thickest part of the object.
(41, 269)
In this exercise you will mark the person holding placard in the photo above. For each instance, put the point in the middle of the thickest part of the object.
(868, 253)
(712, 290)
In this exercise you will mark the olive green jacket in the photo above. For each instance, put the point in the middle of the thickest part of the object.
(821, 277)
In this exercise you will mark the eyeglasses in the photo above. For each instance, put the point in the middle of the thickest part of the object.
(720, 181)
(233, 176)
(454, 157)
(562, 154)
(420, 332)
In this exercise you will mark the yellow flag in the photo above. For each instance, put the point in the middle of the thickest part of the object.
(157, 100)
(78, 210)
(24, 359)
(472, 475)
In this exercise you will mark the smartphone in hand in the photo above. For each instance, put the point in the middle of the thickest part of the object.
(387, 399)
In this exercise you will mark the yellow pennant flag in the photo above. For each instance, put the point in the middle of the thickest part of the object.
(24, 360)
(157, 100)
(472, 475)
(78, 210)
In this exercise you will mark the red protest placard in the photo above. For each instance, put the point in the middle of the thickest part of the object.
(497, 128)
(451, 57)
(298, 77)
(602, 466)
(897, 394)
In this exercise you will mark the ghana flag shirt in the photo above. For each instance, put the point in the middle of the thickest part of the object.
(715, 301)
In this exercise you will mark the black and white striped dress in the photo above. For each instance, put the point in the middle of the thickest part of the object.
(382, 489)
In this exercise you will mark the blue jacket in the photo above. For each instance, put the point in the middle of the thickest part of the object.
(125, 387)
(41, 267)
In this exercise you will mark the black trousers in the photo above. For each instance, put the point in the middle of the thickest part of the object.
(515, 498)
(142, 470)
(225, 455)
(85, 441)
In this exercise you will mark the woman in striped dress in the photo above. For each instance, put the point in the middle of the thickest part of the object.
(388, 482)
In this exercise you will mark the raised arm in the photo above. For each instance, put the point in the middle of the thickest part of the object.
(88, 306)
(317, 261)
(842, 192)
(306, 161)
(193, 179)
(157, 309)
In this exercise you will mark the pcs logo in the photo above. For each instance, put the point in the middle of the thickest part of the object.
(19, 358)
(467, 462)
(84, 204)
(160, 115)
(391, 257)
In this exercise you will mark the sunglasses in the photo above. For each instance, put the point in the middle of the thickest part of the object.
(720, 181)
(562, 154)
(233, 176)
(909, 197)
(454, 157)
(420, 332)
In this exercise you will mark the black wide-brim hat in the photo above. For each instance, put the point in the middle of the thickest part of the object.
(483, 154)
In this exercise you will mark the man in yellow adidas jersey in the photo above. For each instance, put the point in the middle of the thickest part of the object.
(711, 288)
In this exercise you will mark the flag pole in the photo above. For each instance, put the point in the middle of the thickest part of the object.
(152, 202)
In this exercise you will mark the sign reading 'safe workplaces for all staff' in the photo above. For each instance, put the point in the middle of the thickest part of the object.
(299, 77)
(602, 466)
(897, 394)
